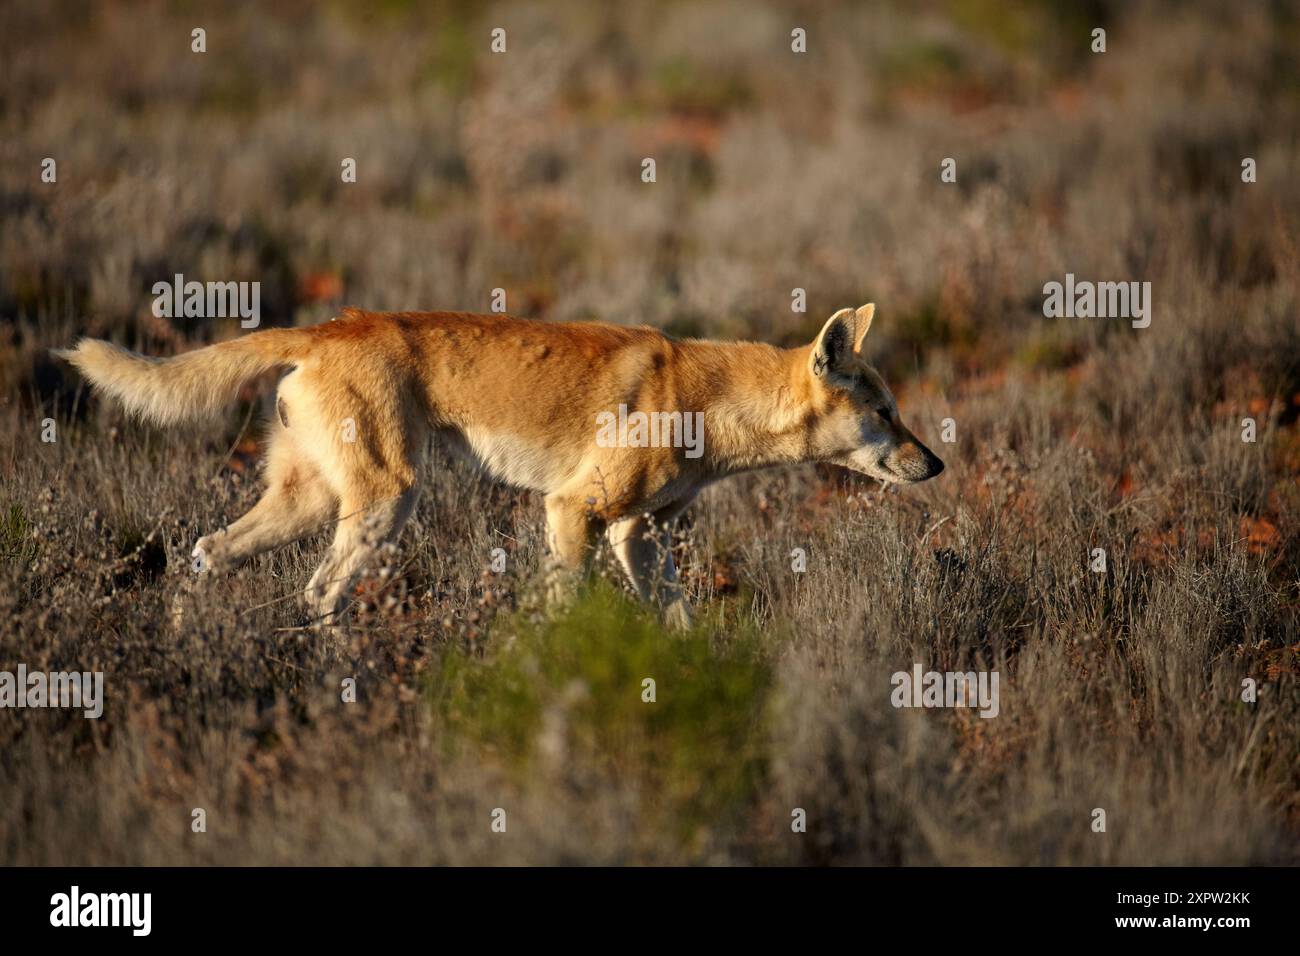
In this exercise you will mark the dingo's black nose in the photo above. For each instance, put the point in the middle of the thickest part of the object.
(933, 464)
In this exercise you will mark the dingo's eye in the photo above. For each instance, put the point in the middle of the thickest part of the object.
(883, 411)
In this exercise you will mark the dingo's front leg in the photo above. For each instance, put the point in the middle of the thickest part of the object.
(570, 535)
(644, 548)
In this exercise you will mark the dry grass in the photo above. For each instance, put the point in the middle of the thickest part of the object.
(1119, 690)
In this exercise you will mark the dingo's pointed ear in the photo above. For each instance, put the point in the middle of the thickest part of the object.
(863, 316)
(834, 344)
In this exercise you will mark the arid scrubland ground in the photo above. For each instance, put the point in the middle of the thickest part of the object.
(1120, 690)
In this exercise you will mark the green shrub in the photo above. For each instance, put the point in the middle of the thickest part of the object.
(698, 748)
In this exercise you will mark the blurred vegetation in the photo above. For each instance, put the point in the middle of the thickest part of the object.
(575, 685)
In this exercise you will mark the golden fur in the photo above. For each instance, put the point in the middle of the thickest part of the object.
(520, 398)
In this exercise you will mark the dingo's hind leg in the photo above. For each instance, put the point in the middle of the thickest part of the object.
(368, 436)
(363, 529)
(297, 502)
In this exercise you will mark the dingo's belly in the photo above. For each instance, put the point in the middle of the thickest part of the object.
(506, 458)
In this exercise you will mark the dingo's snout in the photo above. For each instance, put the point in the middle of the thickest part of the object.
(914, 462)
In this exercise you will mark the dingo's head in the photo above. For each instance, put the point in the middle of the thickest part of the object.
(856, 420)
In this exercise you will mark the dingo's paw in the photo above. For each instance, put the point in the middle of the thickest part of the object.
(678, 616)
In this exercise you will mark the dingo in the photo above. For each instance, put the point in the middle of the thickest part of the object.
(524, 400)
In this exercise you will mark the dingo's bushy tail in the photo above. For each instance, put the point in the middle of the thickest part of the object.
(187, 386)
